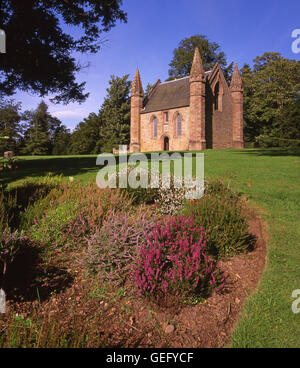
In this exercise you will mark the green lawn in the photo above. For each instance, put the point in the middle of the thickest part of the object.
(274, 175)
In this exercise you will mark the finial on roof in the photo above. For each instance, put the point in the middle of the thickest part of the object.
(137, 88)
(236, 80)
(197, 70)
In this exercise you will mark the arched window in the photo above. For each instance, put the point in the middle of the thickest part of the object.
(217, 93)
(155, 127)
(178, 125)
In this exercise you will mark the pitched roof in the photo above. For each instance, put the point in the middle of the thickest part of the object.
(169, 95)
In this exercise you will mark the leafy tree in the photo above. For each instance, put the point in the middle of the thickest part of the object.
(39, 51)
(183, 55)
(110, 127)
(251, 127)
(271, 89)
(290, 121)
(115, 114)
(85, 136)
(10, 126)
(38, 138)
(61, 141)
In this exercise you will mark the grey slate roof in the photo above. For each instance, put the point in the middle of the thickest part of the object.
(169, 95)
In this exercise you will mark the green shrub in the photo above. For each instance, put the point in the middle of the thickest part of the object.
(10, 163)
(141, 195)
(218, 189)
(138, 195)
(8, 210)
(15, 201)
(220, 213)
(71, 213)
(251, 145)
(51, 229)
(266, 141)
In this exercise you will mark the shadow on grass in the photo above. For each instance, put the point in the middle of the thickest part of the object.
(80, 165)
(67, 166)
(271, 152)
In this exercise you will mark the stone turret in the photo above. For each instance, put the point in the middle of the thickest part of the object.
(137, 95)
(237, 91)
(197, 104)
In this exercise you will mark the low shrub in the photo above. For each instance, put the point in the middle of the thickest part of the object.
(15, 200)
(74, 211)
(138, 195)
(9, 163)
(8, 210)
(219, 211)
(266, 141)
(220, 190)
(173, 259)
(168, 191)
(174, 191)
(170, 198)
(141, 195)
(112, 249)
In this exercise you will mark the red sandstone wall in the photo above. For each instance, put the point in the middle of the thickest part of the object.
(222, 123)
(149, 143)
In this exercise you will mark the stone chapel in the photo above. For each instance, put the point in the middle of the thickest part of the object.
(193, 113)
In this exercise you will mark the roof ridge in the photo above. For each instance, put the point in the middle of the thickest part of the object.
(175, 80)
(178, 79)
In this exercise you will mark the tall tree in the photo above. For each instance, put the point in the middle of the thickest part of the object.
(61, 140)
(39, 49)
(251, 127)
(85, 137)
(181, 63)
(290, 121)
(115, 114)
(39, 135)
(271, 88)
(10, 126)
(110, 127)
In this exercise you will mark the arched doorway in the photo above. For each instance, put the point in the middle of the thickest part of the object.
(166, 143)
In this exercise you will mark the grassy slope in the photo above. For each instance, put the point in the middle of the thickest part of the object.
(274, 176)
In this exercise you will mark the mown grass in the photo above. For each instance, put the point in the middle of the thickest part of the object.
(274, 176)
(270, 178)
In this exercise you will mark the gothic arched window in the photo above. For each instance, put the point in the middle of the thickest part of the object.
(178, 125)
(155, 127)
(217, 93)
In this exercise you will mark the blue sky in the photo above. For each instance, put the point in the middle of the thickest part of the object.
(243, 29)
